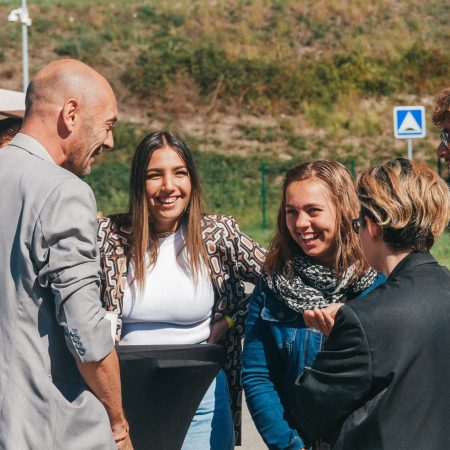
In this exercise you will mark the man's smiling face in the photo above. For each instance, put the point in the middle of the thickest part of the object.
(94, 135)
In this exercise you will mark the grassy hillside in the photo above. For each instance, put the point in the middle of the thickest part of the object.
(247, 82)
(284, 77)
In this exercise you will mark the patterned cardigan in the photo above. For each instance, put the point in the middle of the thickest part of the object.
(233, 258)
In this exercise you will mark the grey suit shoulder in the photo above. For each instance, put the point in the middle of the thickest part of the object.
(51, 313)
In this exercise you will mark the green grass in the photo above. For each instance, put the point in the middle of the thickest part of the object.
(263, 56)
(323, 73)
(441, 249)
(259, 234)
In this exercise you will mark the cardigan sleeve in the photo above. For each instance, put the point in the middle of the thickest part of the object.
(113, 264)
(250, 257)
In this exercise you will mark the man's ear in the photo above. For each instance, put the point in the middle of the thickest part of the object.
(373, 229)
(70, 114)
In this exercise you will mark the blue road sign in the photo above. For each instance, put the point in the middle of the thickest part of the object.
(409, 122)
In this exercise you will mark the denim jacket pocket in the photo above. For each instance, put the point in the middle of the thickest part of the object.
(282, 320)
(313, 344)
(275, 311)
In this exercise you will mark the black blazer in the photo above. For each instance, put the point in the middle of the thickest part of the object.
(382, 380)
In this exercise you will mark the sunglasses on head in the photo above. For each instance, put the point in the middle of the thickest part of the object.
(359, 222)
(356, 224)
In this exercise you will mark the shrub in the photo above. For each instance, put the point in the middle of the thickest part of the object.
(86, 47)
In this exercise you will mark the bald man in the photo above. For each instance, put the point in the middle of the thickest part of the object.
(54, 338)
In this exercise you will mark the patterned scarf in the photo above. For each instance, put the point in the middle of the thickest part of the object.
(315, 286)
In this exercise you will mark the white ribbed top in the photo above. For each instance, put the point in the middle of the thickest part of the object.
(171, 309)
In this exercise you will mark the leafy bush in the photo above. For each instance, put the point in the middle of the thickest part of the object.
(422, 67)
(258, 82)
(110, 185)
(86, 47)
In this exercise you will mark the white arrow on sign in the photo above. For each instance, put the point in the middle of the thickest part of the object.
(409, 124)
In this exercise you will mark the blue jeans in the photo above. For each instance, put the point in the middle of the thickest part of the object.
(212, 426)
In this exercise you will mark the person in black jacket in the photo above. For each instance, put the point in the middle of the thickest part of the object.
(382, 381)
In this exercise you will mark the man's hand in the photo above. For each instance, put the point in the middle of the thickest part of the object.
(123, 443)
(121, 434)
(103, 378)
(218, 331)
(322, 319)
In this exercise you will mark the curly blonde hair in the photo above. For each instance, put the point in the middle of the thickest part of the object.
(407, 200)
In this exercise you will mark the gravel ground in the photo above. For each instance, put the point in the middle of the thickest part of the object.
(251, 440)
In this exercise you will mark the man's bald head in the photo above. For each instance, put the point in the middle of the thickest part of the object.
(70, 110)
(61, 80)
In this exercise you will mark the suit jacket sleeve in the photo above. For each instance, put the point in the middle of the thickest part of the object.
(250, 258)
(338, 382)
(65, 253)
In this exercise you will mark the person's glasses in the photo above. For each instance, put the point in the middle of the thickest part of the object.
(356, 225)
(444, 136)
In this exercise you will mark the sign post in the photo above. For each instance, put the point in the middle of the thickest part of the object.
(410, 149)
(409, 123)
(263, 194)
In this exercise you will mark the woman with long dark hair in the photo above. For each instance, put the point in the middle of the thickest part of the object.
(314, 262)
(174, 275)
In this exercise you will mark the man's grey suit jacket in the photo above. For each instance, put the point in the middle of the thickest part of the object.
(50, 305)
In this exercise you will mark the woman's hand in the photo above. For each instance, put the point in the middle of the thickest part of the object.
(322, 319)
(218, 331)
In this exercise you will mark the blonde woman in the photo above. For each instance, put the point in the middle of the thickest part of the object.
(174, 276)
(314, 261)
(382, 380)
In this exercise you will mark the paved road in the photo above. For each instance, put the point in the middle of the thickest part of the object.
(251, 440)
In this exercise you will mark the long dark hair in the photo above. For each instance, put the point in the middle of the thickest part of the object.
(144, 238)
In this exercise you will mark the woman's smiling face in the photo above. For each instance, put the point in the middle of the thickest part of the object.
(311, 219)
(168, 188)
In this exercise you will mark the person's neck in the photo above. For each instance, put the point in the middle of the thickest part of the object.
(391, 259)
(164, 234)
(53, 149)
(168, 228)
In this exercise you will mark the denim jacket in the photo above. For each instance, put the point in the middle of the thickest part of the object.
(277, 348)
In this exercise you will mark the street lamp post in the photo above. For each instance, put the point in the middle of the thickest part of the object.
(21, 15)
